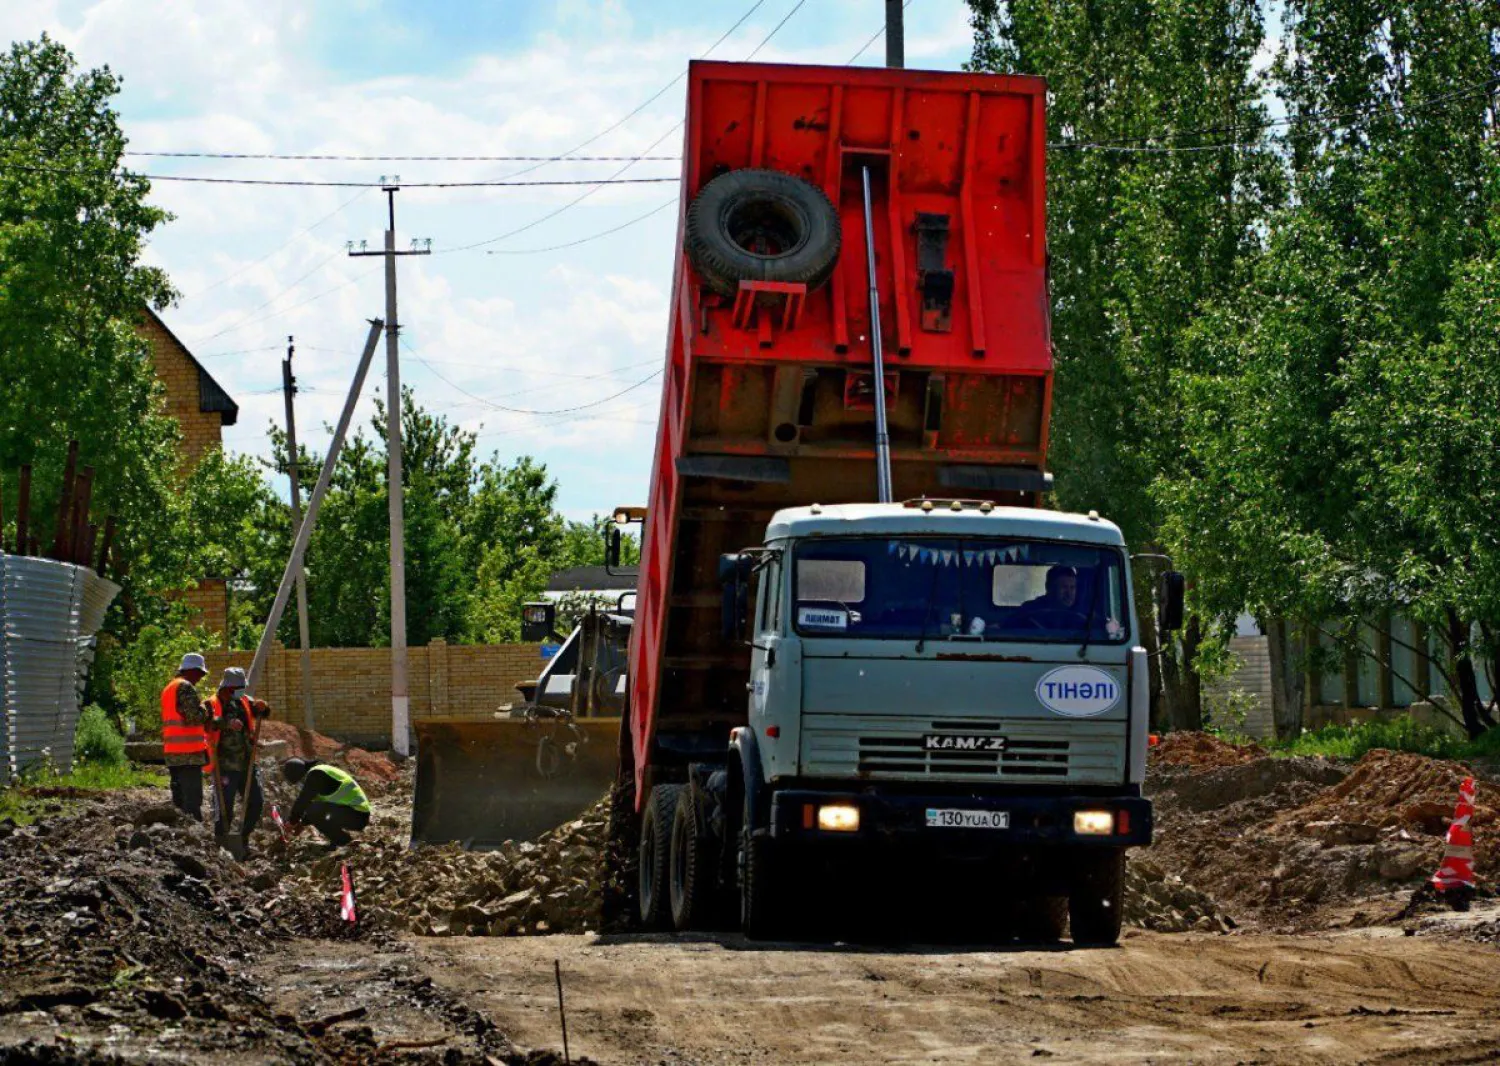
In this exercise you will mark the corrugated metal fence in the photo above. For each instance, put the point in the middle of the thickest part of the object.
(49, 613)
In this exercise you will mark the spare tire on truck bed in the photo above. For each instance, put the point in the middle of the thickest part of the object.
(761, 225)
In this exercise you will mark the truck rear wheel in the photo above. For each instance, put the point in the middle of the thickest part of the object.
(761, 902)
(761, 225)
(656, 856)
(1042, 919)
(691, 888)
(1096, 902)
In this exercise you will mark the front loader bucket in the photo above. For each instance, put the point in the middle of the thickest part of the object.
(483, 783)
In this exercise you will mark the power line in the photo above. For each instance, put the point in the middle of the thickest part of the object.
(784, 20)
(251, 318)
(658, 209)
(291, 240)
(305, 184)
(399, 158)
(1141, 145)
(643, 105)
(615, 176)
(238, 351)
(875, 37)
(525, 411)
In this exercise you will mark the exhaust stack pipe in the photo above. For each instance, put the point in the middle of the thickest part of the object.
(883, 489)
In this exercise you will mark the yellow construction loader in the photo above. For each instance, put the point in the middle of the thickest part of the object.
(538, 762)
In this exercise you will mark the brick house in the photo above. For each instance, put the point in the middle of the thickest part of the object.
(202, 409)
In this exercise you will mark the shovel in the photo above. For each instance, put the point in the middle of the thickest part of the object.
(235, 843)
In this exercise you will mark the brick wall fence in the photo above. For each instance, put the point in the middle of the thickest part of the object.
(352, 686)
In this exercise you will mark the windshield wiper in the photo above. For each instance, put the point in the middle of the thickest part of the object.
(1088, 624)
(926, 614)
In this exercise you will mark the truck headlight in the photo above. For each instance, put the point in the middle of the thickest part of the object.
(1093, 823)
(839, 818)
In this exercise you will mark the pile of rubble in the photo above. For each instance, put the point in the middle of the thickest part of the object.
(551, 885)
(1164, 903)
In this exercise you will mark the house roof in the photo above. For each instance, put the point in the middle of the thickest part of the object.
(212, 398)
(590, 579)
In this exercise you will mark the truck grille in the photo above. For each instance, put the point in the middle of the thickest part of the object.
(1037, 751)
(1029, 758)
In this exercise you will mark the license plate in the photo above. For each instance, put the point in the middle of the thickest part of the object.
(947, 818)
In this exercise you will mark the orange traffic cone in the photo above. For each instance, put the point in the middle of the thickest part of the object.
(1454, 880)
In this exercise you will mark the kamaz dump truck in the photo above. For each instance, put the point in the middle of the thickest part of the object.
(858, 636)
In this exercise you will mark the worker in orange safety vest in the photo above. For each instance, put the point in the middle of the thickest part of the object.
(232, 721)
(183, 740)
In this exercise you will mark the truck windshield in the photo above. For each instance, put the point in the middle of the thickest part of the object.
(943, 588)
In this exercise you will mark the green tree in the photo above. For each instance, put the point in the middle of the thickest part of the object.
(1145, 230)
(73, 224)
(1338, 405)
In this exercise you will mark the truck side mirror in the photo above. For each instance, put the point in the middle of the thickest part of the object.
(613, 539)
(734, 574)
(538, 621)
(1171, 591)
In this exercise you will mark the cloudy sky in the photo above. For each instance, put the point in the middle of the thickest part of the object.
(518, 321)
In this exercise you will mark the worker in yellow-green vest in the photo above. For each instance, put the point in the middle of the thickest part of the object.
(331, 801)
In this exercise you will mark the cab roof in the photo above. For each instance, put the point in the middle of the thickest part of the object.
(912, 519)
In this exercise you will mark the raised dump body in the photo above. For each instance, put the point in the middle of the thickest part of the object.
(768, 399)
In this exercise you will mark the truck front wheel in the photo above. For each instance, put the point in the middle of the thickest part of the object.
(1096, 902)
(760, 882)
(656, 856)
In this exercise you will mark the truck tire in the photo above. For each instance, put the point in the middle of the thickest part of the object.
(656, 857)
(693, 863)
(761, 225)
(1042, 919)
(761, 914)
(1096, 902)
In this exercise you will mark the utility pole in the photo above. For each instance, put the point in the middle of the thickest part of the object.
(895, 34)
(288, 390)
(400, 701)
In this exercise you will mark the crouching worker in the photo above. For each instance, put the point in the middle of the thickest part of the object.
(331, 801)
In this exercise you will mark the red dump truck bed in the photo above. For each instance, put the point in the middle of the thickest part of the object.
(768, 396)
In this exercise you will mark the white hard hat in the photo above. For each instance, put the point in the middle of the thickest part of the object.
(192, 661)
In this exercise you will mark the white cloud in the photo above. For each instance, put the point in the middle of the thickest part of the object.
(547, 331)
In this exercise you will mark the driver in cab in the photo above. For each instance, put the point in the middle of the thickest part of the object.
(1057, 608)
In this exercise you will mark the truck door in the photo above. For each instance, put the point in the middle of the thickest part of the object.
(765, 639)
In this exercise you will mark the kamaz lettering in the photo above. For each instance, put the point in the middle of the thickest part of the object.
(961, 742)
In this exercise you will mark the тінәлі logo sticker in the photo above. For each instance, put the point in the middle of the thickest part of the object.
(1078, 691)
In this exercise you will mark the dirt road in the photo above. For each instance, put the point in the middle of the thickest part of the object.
(1375, 997)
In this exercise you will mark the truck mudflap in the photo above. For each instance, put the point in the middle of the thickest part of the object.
(1006, 820)
(480, 784)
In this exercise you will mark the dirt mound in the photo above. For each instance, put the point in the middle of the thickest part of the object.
(1393, 789)
(1201, 751)
(1215, 787)
(1300, 843)
(125, 927)
(371, 769)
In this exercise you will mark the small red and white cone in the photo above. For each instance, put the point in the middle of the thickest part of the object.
(1454, 880)
(346, 899)
(281, 828)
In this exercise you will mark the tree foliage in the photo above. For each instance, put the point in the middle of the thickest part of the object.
(72, 291)
(1293, 389)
